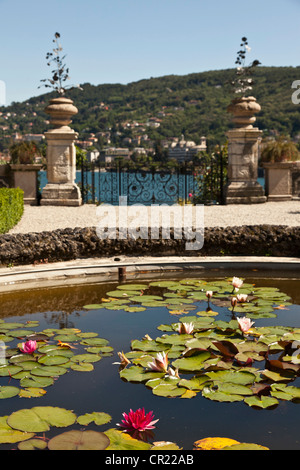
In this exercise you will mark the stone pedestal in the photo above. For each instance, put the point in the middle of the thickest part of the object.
(243, 149)
(278, 178)
(61, 189)
(26, 178)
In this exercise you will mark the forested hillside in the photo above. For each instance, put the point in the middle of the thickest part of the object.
(193, 105)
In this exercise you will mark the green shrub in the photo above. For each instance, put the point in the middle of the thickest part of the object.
(11, 208)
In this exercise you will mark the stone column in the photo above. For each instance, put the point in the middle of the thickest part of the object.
(61, 189)
(243, 148)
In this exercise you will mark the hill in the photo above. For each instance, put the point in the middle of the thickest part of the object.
(164, 107)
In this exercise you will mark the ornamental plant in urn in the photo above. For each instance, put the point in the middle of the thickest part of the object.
(61, 153)
(243, 107)
(244, 139)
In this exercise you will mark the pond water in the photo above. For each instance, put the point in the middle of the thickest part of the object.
(182, 421)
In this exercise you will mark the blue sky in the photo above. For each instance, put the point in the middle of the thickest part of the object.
(121, 41)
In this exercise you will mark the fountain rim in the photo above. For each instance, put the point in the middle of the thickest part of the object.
(91, 270)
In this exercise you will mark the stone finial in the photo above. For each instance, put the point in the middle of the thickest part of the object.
(61, 110)
(243, 110)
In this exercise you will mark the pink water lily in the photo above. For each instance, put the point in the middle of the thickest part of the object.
(209, 294)
(28, 347)
(138, 420)
(160, 363)
(245, 324)
(242, 298)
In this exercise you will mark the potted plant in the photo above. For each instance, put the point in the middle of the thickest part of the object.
(244, 139)
(280, 158)
(61, 188)
(243, 107)
(60, 108)
(25, 169)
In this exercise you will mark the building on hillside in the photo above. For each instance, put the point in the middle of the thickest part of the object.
(92, 155)
(184, 150)
(109, 155)
(37, 138)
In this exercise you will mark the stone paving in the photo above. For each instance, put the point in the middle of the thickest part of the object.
(48, 218)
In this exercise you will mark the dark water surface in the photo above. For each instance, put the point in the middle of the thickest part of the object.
(180, 420)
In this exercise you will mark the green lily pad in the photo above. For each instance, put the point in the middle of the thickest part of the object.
(54, 416)
(32, 392)
(134, 287)
(145, 298)
(193, 363)
(168, 390)
(231, 376)
(95, 342)
(48, 371)
(98, 418)
(94, 306)
(217, 395)
(10, 369)
(50, 360)
(8, 392)
(27, 420)
(20, 333)
(122, 293)
(164, 284)
(261, 402)
(86, 358)
(33, 444)
(10, 435)
(122, 441)
(35, 382)
(82, 367)
(137, 374)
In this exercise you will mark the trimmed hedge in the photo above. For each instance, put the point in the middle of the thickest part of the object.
(11, 208)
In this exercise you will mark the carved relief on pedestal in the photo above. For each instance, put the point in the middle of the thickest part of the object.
(243, 142)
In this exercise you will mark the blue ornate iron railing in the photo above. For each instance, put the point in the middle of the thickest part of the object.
(186, 183)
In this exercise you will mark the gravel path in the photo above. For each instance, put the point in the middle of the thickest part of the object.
(48, 218)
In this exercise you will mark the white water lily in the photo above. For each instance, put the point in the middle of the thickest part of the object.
(185, 328)
(160, 363)
(245, 324)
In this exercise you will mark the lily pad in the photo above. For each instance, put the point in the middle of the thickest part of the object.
(82, 367)
(8, 391)
(98, 418)
(261, 402)
(134, 287)
(123, 441)
(10, 435)
(33, 444)
(193, 363)
(79, 440)
(32, 392)
(54, 416)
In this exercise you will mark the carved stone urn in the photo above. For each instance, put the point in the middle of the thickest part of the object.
(243, 110)
(61, 189)
(243, 152)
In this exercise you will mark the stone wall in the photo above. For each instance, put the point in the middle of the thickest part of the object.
(70, 244)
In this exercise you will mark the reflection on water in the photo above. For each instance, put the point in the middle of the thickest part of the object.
(180, 420)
